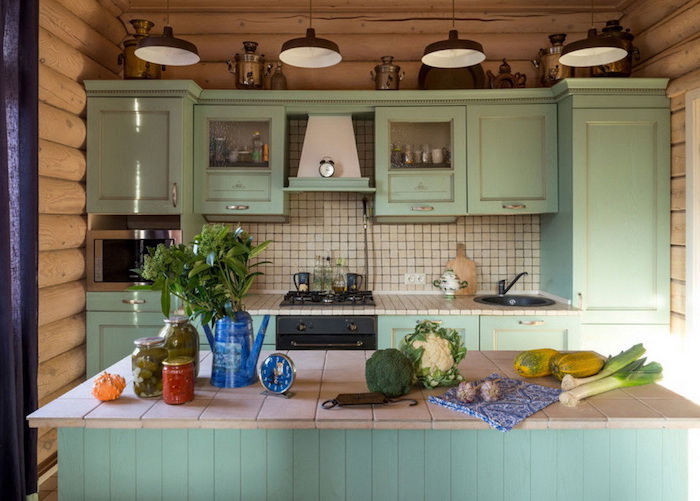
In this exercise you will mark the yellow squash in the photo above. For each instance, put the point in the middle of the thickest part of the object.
(578, 364)
(534, 363)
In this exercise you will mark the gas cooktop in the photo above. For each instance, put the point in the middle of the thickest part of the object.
(318, 298)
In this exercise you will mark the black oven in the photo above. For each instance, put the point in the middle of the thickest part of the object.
(326, 332)
(112, 255)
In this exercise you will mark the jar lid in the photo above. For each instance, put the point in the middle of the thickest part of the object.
(178, 361)
(176, 319)
(149, 341)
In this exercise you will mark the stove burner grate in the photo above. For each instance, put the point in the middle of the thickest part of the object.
(318, 298)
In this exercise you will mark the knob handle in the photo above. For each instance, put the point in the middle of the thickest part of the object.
(301, 326)
(352, 326)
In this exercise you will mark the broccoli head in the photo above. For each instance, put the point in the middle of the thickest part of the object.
(390, 372)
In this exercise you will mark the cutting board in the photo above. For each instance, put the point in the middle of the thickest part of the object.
(465, 269)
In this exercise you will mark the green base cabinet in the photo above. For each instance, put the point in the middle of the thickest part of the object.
(139, 147)
(392, 329)
(608, 248)
(382, 465)
(529, 333)
(228, 180)
(512, 159)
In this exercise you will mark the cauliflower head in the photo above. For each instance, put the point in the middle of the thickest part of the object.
(435, 352)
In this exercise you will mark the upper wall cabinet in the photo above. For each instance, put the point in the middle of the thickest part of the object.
(239, 160)
(512, 158)
(139, 147)
(420, 161)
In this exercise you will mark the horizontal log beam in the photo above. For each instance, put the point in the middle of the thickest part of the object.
(98, 17)
(640, 15)
(677, 262)
(328, 25)
(678, 127)
(61, 161)
(683, 84)
(61, 231)
(53, 396)
(68, 61)
(678, 193)
(60, 336)
(78, 34)
(60, 371)
(678, 296)
(673, 62)
(346, 76)
(61, 301)
(677, 323)
(61, 266)
(47, 444)
(60, 91)
(678, 159)
(678, 228)
(61, 127)
(57, 196)
(115, 7)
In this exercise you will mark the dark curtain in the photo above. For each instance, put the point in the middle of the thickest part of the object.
(18, 246)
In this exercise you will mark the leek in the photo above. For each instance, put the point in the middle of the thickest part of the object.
(634, 374)
(613, 365)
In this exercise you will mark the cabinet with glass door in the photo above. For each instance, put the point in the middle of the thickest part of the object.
(420, 161)
(239, 160)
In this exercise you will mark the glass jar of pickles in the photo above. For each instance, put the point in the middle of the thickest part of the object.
(181, 339)
(178, 380)
(147, 366)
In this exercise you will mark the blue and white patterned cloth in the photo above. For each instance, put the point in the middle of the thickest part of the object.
(518, 400)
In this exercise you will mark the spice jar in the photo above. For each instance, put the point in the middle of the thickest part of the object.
(178, 380)
(181, 339)
(147, 366)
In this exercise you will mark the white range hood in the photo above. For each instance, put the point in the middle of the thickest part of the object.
(329, 136)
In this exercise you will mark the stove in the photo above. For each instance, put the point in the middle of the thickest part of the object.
(318, 298)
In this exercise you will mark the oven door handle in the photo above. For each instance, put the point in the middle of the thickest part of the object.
(328, 345)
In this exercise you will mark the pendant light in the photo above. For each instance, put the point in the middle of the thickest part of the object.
(167, 49)
(594, 50)
(453, 52)
(309, 51)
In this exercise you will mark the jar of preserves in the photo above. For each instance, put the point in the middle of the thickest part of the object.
(178, 380)
(181, 339)
(147, 366)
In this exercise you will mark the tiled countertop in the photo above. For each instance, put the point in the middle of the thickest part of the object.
(322, 375)
(402, 304)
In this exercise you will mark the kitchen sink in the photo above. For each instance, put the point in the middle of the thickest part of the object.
(514, 300)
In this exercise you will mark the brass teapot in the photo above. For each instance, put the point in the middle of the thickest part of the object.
(623, 67)
(549, 70)
(249, 67)
(134, 67)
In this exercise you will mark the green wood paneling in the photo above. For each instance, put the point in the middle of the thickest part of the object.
(440, 465)
(512, 158)
(531, 332)
(393, 328)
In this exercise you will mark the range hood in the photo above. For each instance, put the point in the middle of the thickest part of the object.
(329, 137)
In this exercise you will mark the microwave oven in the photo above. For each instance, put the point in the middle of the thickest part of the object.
(112, 255)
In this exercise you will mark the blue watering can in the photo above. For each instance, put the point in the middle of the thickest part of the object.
(235, 354)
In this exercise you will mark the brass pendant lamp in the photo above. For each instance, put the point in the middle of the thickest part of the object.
(167, 49)
(453, 52)
(594, 50)
(309, 51)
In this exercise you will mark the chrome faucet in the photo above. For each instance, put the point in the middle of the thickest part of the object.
(502, 289)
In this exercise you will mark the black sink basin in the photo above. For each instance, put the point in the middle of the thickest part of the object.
(514, 300)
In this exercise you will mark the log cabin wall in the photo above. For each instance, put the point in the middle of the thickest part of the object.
(365, 31)
(668, 36)
(78, 40)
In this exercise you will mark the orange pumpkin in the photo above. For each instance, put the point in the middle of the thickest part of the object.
(108, 386)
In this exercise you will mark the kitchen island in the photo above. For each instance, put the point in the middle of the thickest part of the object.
(238, 444)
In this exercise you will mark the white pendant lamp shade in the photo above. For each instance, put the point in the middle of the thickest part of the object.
(167, 50)
(453, 52)
(310, 51)
(594, 50)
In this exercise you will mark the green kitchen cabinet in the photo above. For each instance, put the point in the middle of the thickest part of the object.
(512, 158)
(139, 147)
(529, 332)
(608, 247)
(392, 329)
(420, 161)
(233, 175)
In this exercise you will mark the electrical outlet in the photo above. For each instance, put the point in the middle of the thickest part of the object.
(420, 278)
(414, 278)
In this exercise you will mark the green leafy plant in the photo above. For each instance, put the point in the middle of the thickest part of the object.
(211, 276)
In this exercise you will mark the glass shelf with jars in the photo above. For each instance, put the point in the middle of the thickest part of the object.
(420, 145)
(239, 144)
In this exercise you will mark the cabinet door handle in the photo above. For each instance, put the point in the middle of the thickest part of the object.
(133, 301)
(238, 207)
(173, 194)
(514, 206)
(580, 301)
(422, 207)
(531, 322)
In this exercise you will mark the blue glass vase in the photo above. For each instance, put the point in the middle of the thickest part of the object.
(233, 342)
